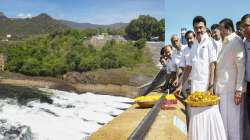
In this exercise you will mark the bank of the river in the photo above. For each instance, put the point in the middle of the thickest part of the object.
(116, 90)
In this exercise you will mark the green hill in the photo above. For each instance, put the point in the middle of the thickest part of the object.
(21, 28)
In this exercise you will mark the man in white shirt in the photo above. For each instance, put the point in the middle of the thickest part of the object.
(202, 58)
(229, 80)
(239, 30)
(185, 63)
(216, 38)
(164, 73)
(176, 59)
(205, 122)
(185, 66)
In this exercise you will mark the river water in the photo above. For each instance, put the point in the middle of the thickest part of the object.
(72, 116)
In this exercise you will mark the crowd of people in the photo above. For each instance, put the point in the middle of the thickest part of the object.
(215, 60)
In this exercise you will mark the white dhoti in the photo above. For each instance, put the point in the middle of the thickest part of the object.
(232, 116)
(230, 71)
(206, 124)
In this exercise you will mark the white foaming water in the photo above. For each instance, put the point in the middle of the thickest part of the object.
(71, 116)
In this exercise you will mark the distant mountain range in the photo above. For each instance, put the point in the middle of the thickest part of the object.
(43, 24)
(19, 28)
(77, 25)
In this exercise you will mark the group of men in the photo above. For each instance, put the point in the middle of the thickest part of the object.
(218, 62)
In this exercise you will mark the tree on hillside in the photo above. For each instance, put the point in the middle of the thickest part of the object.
(144, 26)
(58, 53)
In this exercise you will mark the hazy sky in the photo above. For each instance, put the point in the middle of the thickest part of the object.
(92, 11)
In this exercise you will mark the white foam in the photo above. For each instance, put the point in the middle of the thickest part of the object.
(71, 116)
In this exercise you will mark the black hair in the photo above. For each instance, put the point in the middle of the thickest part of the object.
(228, 23)
(238, 24)
(189, 32)
(215, 26)
(162, 51)
(169, 46)
(208, 31)
(198, 19)
(245, 17)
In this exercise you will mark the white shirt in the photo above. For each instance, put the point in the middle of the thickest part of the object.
(202, 54)
(176, 58)
(185, 59)
(168, 65)
(217, 46)
(230, 65)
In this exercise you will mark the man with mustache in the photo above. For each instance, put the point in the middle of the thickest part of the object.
(216, 38)
(230, 71)
(205, 122)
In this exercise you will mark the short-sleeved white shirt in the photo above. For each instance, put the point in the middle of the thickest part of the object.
(202, 54)
(217, 46)
(185, 59)
(176, 58)
(169, 65)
